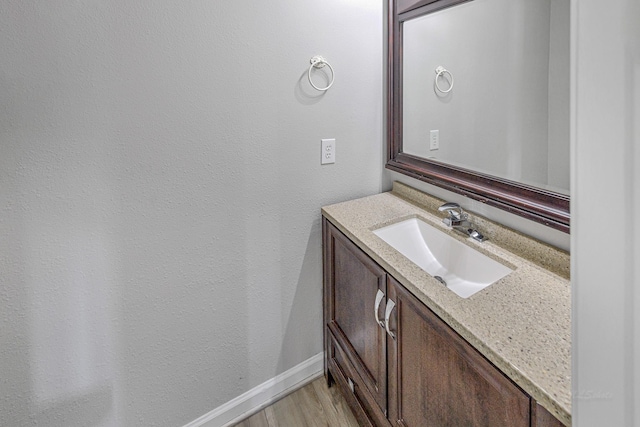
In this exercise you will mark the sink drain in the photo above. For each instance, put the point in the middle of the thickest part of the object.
(441, 280)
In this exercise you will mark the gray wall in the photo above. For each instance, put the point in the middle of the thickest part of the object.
(160, 194)
(605, 271)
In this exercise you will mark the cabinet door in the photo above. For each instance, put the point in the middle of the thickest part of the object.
(436, 379)
(353, 283)
(540, 417)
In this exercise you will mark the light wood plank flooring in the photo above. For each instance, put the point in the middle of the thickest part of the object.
(314, 405)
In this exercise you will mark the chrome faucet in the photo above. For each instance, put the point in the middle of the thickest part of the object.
(458, 219)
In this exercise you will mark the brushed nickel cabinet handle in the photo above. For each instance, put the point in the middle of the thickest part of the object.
(379, 298)
(390, 306)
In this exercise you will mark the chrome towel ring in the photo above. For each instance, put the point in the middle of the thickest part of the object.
(440, 72)
(319, 62)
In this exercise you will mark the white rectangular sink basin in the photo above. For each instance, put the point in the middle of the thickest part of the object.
(461, 268)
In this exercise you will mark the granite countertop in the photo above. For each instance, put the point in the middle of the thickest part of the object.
(521, 323)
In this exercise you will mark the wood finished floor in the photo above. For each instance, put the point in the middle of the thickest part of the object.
(314, 405)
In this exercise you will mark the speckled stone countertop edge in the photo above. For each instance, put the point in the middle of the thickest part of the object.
(465, 316)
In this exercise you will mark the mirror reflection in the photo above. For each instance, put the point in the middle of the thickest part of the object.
(507, 114)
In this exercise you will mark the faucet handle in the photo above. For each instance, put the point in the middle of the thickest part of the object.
(454, 210)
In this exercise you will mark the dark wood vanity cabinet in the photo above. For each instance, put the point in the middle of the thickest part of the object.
(399, 364)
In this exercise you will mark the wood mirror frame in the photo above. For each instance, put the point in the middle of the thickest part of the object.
(543, 206)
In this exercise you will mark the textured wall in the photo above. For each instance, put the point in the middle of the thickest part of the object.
(160, 194)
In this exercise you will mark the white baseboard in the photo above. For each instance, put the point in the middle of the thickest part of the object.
(263, 395)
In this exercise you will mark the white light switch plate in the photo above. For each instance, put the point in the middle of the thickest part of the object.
(328, 154)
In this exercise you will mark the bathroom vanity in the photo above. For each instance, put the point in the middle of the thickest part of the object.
(407, 351)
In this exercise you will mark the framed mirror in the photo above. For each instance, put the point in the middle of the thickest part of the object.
(479, 101)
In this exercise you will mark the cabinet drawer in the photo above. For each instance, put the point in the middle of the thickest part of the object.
(365, 407)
